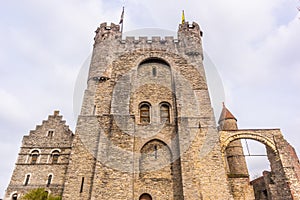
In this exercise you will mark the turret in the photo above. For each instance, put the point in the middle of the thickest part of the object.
(227, 121)
(105, 32)
(189, 36)
(234, 151)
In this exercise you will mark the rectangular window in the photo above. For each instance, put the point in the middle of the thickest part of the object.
(50, 133)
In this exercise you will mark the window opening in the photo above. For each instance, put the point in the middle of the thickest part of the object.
(145, 114)
(94, 110)
(27, 179)
(155, 151)
(165, 113)
(15, 196)
(34, 157)
(154, 71)
(82, 182)
(55, 156)
(49, 180)
(50, 133)
(145, 197)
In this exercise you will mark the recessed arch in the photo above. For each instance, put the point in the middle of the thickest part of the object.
(158, 141)
(155, 160)
(154, 60)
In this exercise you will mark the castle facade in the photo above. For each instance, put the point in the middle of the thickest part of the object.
(147, 131)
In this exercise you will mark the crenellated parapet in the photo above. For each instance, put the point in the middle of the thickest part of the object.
(146, 40)
(191, 29)
(106, 31)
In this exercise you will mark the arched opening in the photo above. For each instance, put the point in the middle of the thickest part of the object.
(27, 179)
(254, 154)
(256, 157)
(155, 60)
(144, 113)
(55, 156)
(14, 196)
(49, 180)
(145, 196)
(165, 113)
(34, 156)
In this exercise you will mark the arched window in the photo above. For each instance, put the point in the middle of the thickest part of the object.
(49, 180)
(55, 156)
(145, 196)
(14, 196)
(164, 113)
(27, 178)
(145, 113)
(34, 156)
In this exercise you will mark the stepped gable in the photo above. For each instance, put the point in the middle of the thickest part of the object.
(52, 132)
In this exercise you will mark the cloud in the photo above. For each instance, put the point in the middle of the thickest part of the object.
(10, 108)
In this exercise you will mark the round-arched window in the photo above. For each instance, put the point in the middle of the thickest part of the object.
(145, 196)
(144, 113)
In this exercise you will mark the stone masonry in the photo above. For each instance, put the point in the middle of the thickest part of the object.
(43, 159)
(147, 131)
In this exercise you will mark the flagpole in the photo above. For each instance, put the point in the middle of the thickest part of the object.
(122, 20)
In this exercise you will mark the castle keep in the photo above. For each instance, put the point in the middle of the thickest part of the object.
(147, 131)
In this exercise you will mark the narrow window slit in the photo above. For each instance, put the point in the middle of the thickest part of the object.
(82, 182)
(27, 180)
(155, 151)
(49, 180)
(154, 71)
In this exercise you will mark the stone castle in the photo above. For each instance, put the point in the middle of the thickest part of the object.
(147, 131)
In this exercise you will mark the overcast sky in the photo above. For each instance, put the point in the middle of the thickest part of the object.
(254, 45)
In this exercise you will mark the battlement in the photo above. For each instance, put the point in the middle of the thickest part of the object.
(104, 27)
(112, 31)
(106, 31)
(192, 28)
(149, 40)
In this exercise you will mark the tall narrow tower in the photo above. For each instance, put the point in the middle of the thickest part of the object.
(146, 129)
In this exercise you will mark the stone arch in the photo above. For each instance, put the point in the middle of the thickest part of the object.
(258, 137)
(154, 59)
(156, 156)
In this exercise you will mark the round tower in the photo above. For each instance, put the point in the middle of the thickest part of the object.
(234, 152)
(237, 170)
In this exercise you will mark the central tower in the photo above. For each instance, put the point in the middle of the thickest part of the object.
(146, 128)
